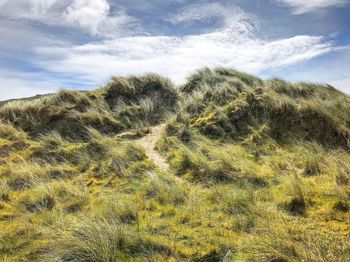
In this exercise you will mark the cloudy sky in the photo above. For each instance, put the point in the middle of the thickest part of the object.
(50, 44)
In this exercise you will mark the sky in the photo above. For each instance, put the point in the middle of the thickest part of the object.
(47, 45)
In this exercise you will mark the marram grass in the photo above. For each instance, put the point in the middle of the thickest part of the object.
(258, 171)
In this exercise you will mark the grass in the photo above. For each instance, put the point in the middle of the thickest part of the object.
(104, 239)
(122, 104)
(259, 171)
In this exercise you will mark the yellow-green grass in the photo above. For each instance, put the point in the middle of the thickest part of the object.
(266, 190)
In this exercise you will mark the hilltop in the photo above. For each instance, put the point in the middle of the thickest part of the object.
(227, 167)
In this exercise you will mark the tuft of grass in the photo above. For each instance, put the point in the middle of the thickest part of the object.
(284, 242)
(137, 100)
(5, 191)
(296, 205)
(43, 198)
(166, 190)
(102, 239)
(342, 206)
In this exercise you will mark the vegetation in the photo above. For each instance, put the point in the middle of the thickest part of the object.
(123, 104)
(258, 171)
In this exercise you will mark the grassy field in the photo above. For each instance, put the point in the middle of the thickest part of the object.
(255, 171)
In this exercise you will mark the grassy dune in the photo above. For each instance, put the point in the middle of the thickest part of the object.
(258, 171)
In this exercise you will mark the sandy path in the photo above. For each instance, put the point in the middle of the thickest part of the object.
(149, 141)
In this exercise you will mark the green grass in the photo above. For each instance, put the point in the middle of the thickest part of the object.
(259, 171)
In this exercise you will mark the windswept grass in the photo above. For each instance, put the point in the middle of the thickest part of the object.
(259, 171)
(123, 103)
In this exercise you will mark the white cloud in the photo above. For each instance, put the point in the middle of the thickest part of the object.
(233, 18)
(304, 6)
(92, 65)
(234, 43)
(92, 16)
(119, 24)
(2, 2)
(202, 11)
(30, 9)
(334, 70)
(87, 14)
(40, 8)
(176, 57)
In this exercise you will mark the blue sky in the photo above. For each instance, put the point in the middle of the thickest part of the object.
(46, 45)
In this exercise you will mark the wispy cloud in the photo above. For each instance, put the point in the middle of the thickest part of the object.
(333, 70)
(233, 44)
(232, 18)
(121, 46)
(304, 6)
(177, 56)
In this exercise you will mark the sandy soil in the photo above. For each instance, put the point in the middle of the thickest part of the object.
(149, 142)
